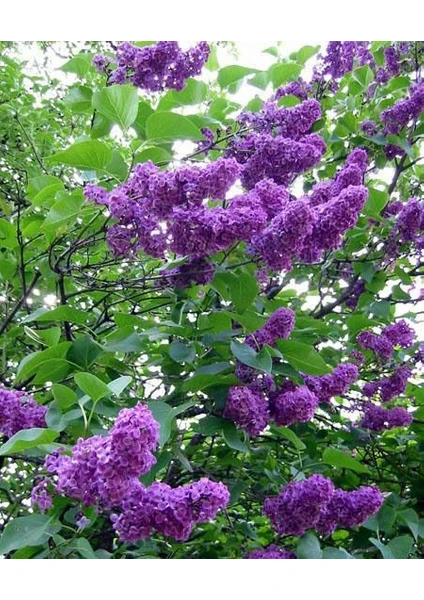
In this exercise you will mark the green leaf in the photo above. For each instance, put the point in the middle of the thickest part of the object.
(401, 546)
(8, 237)
(79, 64)
(292, 437)
(201, 381)
(195, 92)
(33, 530)
(233, 73)
(61, 313)
(27, 438)
(284, 72)
(119, 103)
(309, 547)
(64, 396)
(171, 126)
(232, 438)
(165, 415)
(31, 364)
(92, 386)
(86, 155)
(337, 458)
(410, 517)
(335, 553)
(66, 208)
(363, 75)
(83, 352)
(182, 353)
(377, 200)
(242, 288)
(117, 386)
(78, 99)
(261, 361)
(210, 425)
(303, 357)
(385, 551)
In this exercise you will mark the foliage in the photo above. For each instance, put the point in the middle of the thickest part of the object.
(89, 328)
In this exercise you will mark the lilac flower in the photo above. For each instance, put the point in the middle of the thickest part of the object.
(389, 387)
(349, 509)
(102, 470)
(18, 411)
(298, 506)
(369, 128)
(297, 406)
(400, 334)
(271, 552)
(403, 112)
(100, 62)
(154, 68)
(40, 495)
(380, 344)
(196, 270)
(325, 387)
(278, 327)
(248, 409)
(172, 512)
(377, 418)
(299, 88)
(284, 237)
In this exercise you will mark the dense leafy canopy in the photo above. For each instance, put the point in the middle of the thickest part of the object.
(210, 299)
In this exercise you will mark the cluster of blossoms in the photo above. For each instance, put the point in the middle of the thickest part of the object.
(378, 418)
(305, 228)
(19, 411)
(404, 112)
(104, 471)
(389, 387)
(271, 552)
(315, 503)
(293, 404)
(408, 227)
(278, 327)
(169, 511)
(156, 67)
(248, 408)
(300, 89)
(342, 57)
(325, 387)
(383, 344)
(279, 145)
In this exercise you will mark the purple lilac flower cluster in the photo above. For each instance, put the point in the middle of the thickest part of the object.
(159, 210)
(325, 387)
(248, 408)
(19, 411)
(156, 67)
(305, 228)
(315, 503)
(300, 89)
(293, 405)
(383, 345)
(278, 327)
(349, 509)
(339, 59)
(389, 387)
(196, 271)
(409, 225)
(404, 112)
(279, 144)
(378, 418)
(169, 511)
(103, 470)
(271, 552)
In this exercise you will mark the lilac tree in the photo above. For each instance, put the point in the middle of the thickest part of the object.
(211, 307)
